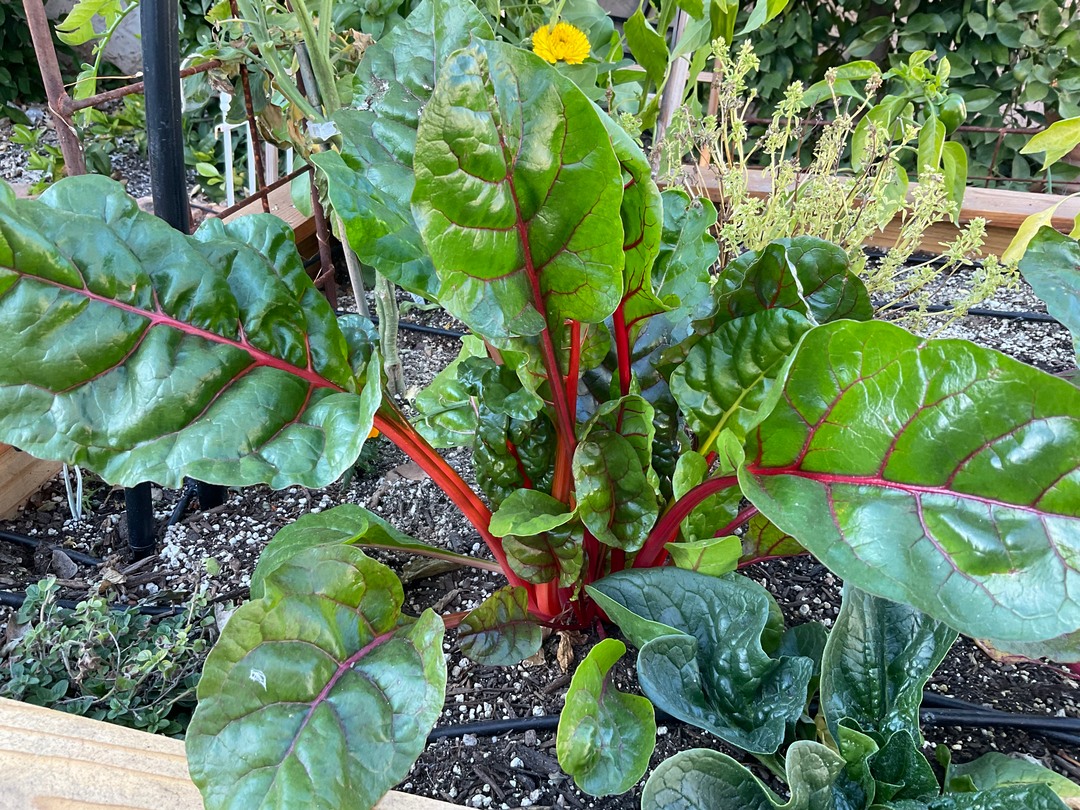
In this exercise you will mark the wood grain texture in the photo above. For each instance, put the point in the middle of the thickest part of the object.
(50, 760)
(21, 475)
(281, 206)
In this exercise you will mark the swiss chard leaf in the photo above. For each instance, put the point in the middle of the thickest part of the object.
(712, 671)
(556, 554)
(513, 164)
(325, 661)
(527, 512)
(347, 524)
(879, 657)
(144, 354)
(902, 445)
(605, 736)
(446, 413)
(499, 632)
(616, 502)
(724, 378)
(803, 273)
(370, 181)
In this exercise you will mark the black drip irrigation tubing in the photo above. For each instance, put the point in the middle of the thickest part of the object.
(943, 712)
(415, 327)
(15, 600)
(34, 542)
(1039, 317)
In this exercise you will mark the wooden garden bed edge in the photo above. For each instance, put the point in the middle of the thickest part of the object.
(64, 761)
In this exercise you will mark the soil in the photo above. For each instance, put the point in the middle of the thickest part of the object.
(217, 549)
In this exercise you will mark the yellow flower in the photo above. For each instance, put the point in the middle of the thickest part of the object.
(562, 42)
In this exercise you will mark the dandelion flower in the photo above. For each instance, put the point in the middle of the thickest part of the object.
(563, 43)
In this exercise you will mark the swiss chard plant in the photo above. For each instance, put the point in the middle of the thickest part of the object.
(625, 407)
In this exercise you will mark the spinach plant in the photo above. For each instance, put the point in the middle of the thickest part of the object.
(714, 652)
(622, 405)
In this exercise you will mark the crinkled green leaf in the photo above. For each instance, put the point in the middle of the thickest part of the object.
(713, 556)
(545, 557)
(513, 164)
(370, 181)
(642, 214)
(499, 386)
(633, 418)
(616, 502)
(725, 377)
(687, 252)
(713, 672)
(605, 736)
(446, 415)
(142, 354)
(1031, 797)
(803, 273)
(499, 632)
(1051, 266)
(996, 770)
(701, 778)
(900, 770)
(347, 524)
(937, 473)
(499, 469)
(764, 541)
(325, 662)
(528, 512)
(879, 657)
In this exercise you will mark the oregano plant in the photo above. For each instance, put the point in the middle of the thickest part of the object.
(627, 405)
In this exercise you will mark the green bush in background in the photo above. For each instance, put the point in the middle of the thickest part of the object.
(1015, 62)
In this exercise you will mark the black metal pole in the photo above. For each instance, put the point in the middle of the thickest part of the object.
(165, 144)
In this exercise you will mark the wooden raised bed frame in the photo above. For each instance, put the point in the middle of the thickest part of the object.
(58, 761)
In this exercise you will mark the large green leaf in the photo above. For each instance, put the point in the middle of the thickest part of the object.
(347, 524)
(700, 778)
(995, 770)
(370, 181)
(616, 502)
(687, 252)
(762, 540)
(647, 46)
(324, 664)
(554, 555)
(725, 377)
(605, 736)
(499, 632)
(711, 671)
(144, 354)
(937, 473)
(1051, 266)
(1028, 797)
(803, 273)
(514, 165)
(642, 213)
(879, 657)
